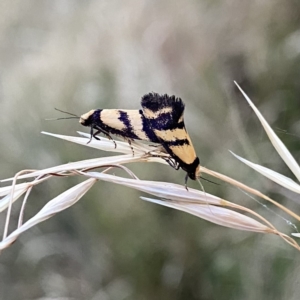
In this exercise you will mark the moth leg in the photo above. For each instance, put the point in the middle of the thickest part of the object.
(185, 181)
(176, 165)
(173, 163)
(99, 130)
(129, 142)
(110, 138)
(93, 135)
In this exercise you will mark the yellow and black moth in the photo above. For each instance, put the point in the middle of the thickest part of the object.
(159, 121)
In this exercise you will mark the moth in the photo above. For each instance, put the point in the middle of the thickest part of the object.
(160, 121)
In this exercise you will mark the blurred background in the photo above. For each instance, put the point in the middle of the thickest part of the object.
(79, 55)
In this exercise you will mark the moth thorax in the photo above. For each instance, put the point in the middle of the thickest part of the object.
(86, 119)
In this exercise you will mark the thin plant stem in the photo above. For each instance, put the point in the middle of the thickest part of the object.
(11, 201)
(250, 190)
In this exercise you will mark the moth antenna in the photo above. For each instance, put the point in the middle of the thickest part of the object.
(209, 180)
(202, 187)
(55, 119)
(66, 112)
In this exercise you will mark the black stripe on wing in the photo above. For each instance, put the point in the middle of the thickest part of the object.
(155, 103)
(175, 143)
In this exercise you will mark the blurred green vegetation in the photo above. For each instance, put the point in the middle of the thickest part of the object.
(80, 55)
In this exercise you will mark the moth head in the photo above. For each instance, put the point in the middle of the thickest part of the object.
(196, 174)
(87, 119)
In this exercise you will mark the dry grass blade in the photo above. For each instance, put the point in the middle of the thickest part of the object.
(84, 164)
(5, 201)
(274, 176)
(161, 189)
(142, 153)
(5, 190)
(218, 215)
(178, 195)
(248, 189)
(135, 144)
(197, 203)
(105, 145)
(137, 148)
(18, 190)
(226, 217)
(54, 206)
(204, 205)
(277, 143)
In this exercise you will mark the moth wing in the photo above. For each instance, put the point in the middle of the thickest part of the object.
(165, 107)
(166, 120)
(136, 124)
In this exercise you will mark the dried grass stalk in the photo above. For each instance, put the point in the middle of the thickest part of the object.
(198, 203)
